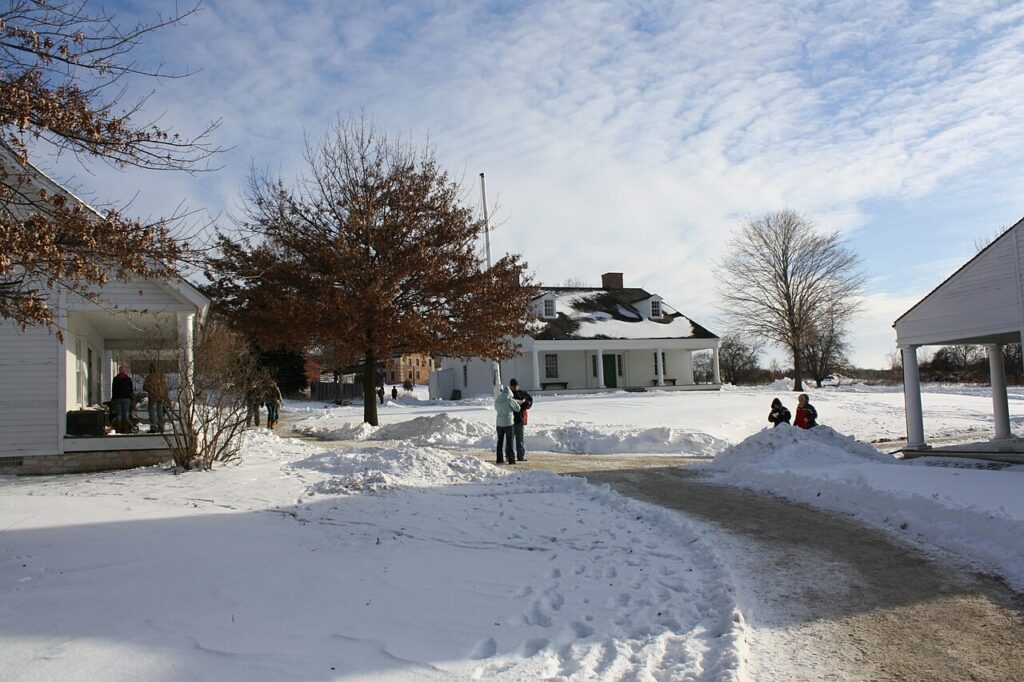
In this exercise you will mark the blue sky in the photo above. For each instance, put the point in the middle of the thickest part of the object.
(633, 136)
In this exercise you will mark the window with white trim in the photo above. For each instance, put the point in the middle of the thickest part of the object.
(550, 366)
(656, 309)
(549, 307)
(593, 365)
(618, 365)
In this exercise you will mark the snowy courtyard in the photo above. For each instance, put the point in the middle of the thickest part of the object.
(402, 552)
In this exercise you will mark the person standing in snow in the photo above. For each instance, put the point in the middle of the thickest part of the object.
(253, 403)
(525, 401)
(806, 415)
(505, 406)
(273, 398)
(380, 394)
(394, 393)
(779, 413)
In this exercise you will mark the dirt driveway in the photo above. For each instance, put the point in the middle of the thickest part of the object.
(828, 598)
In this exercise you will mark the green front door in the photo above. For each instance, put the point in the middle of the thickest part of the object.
(610, 376)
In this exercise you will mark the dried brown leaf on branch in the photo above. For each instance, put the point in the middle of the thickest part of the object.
(63, 67)
(372, 251)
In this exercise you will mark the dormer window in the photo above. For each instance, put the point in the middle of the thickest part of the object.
(549, 307)
(655, 310)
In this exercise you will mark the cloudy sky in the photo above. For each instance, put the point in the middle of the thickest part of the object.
(632, 136)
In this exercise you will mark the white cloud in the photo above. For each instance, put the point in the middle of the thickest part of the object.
(619, 136)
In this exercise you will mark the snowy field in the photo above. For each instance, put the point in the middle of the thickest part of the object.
(396, 554)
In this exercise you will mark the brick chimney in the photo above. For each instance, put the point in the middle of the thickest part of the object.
(611, 280)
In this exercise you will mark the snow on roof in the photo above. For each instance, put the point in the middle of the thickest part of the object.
(595, 313)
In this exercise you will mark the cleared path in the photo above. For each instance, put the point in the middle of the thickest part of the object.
(831, 599)
(828, 598)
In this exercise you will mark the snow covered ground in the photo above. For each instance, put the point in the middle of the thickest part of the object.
(397, 554)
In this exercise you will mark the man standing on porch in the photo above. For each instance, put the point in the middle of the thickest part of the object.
(525, 401)
(121, 390)
(155, 387)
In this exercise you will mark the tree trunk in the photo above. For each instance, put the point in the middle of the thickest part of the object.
(370, 389)
(798, 382)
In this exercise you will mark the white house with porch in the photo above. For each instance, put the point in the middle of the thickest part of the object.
(47, 380)
(592, 339)
(981, 303)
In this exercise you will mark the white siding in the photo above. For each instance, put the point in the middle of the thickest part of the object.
(140, 294)
(982, 298)
(28, 404)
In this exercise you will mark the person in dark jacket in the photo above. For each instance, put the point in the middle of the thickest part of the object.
(121, 393)
(779, 413)
(380, 394)
(806, 415)
(518, 427)
(394, 393)
(155, 387)
(273, 399)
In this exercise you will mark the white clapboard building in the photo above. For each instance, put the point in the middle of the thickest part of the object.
(592, 339)
(981, 303)
(46, 379)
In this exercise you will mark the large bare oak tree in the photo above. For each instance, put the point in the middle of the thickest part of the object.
(783, 281)
(63, 71)
(370, 252)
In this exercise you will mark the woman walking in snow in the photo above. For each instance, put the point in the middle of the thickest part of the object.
(806, 415)
(779, 414)
(505, 407)
(272, 397)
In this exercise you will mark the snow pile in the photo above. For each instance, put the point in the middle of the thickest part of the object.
(975, 513)
(571, 437)
(783, 384)
(589, 439)
(787, 446)
(378, 469)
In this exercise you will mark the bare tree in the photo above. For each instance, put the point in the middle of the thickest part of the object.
(703, 370)
(824, 351)
(371, 252)
(62, 67)
(574, 282)
(781, 277)
(208, 415)
(737, 359)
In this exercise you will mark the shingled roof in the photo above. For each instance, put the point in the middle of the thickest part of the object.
(599, 313)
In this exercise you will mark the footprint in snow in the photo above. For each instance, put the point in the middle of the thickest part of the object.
(581, 630)
(555, 573)
(485, 649)
(536, 616)
(534, 647)
(524, 591)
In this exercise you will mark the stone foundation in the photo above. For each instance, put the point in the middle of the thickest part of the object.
(79, 462)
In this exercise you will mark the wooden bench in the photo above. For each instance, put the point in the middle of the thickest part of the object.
(545, 384)
(668, 381)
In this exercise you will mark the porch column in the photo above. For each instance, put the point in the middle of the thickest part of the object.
(186, 340)
(716, 374)
(997, 375)
(108, 374)
(536, 370)
(659, 368)
(600, 368)
(912, 399)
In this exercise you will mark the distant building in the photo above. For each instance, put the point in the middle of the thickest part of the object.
(415, 367)
(593, 339)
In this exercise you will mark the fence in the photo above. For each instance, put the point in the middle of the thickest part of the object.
(332, 392)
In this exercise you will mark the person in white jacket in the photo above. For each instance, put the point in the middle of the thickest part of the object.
(505, 407)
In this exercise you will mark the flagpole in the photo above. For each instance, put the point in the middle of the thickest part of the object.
(495, 368)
